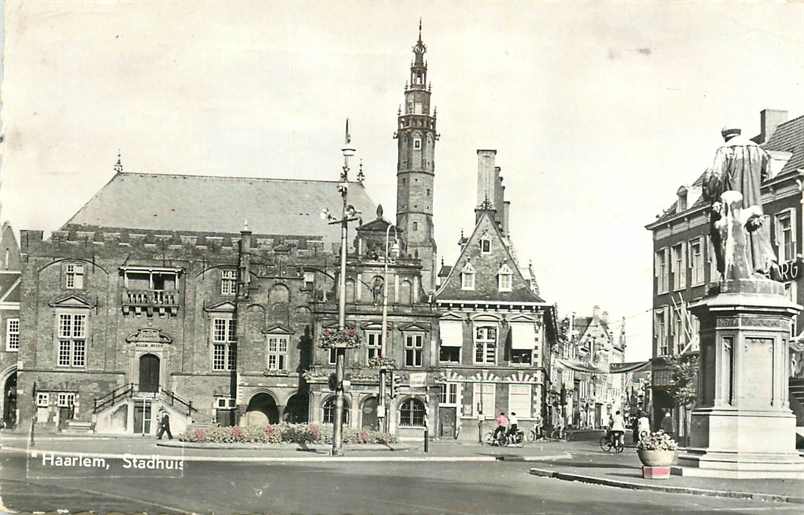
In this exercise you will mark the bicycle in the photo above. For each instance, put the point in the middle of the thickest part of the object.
(610, 442)
(557, 433)
(503, 439)
(535, 433)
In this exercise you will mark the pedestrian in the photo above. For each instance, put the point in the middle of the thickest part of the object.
(502, 424)
(164, 425)
(513, 425)
(643, 425)
(667, 423)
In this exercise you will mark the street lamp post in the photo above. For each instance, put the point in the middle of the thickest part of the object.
(383, 408)
(348, 214)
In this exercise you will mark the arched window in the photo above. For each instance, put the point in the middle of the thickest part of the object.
(329, 411)
(411, 413)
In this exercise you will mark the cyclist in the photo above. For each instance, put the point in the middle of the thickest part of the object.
(512, 427)
(617, 428)
(502, 424)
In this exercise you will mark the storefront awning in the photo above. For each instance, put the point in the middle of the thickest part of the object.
(451, 333)
(523, 336)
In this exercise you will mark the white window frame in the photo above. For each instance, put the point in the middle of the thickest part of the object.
(373, 344)
(696, 261)
(484, 391)
(505, 278)
(224, 333)
(225, 403)
(65, 399)
(228, 282)
(468, 277)
(660, 331)
(42, 399)
(417, 143)
(785, 250)
(489, 345)
(529, 403)
(678, 266)
(71, 340)
(662, 270)
(12, 334)
(449, 394)
(485, 246)
(332, 355)
(276, 354)
(74, 276)
(414, 342)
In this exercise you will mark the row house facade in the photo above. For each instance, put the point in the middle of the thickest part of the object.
(587, 386)
(495, 331)
(684, 264)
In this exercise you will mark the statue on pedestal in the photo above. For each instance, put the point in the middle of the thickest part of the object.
(740, 236)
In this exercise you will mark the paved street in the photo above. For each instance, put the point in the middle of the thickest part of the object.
(327, 487)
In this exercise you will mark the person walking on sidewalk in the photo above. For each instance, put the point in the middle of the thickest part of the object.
(164, 425)
(513, 426)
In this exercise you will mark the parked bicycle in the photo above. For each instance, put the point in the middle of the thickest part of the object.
(611, 443)
(504, 439)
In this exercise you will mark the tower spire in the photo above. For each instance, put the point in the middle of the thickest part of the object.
(118, 166)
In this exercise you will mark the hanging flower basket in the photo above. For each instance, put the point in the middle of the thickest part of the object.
(382, 362)
(347, 338)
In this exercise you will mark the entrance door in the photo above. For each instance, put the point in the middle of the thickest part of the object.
(370, 420)
(149, 373)
(142, 417)
(10, 401)
(446, 422)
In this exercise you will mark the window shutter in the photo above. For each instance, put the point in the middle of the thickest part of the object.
(682, 282)
(793, 230)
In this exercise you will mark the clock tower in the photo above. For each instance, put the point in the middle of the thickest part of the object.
(415, 169)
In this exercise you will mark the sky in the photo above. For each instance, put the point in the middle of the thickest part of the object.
(599, 111)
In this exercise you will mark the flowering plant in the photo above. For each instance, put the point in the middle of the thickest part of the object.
(658, 441)
(381, 362)
(346, 338)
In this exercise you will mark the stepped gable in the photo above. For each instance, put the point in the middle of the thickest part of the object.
(208, 204)
(486, 267)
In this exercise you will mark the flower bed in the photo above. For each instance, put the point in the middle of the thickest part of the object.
(658, 441)
(283, 433)
(346, 338)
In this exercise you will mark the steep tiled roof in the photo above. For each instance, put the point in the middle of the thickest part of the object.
(486, 267)
(672, 211)
(789, 137)
(9, 289)
(199, 203)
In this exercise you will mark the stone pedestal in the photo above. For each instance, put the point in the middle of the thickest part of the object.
(655, 472)
(742, 425)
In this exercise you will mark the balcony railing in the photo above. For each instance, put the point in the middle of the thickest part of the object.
(163, 302)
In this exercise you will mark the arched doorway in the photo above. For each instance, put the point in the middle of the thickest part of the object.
(296, 409)
(369, 420)
(262, 410)
(10, 401)
(329, 411)
(149, 373)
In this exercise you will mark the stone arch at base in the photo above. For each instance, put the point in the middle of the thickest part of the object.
(8, 396)
(262, 409)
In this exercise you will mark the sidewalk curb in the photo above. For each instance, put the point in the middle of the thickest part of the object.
(756, 496)
(565, 456)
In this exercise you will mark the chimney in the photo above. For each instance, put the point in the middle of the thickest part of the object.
(506, 216)
(604, 317)
(486, 179)
(769, 119)
(499, 193)
(596, 312)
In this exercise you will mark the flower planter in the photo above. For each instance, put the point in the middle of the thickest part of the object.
(657, 457)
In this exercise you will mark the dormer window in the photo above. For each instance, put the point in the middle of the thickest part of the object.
(74, 276)
(682, 199)
(485, 246)
(504, 278)
(468, 277)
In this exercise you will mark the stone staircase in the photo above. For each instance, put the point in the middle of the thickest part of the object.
(76, 427)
